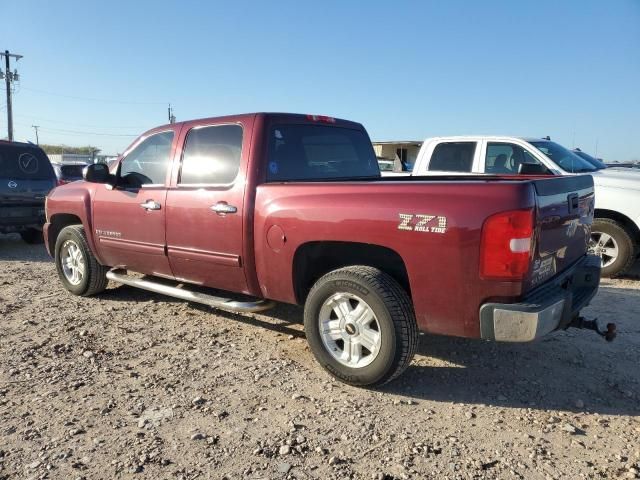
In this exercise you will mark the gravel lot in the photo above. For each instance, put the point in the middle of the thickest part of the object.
(130, 384)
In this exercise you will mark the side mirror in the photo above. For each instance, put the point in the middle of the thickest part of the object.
(97, 173)
(532, 169)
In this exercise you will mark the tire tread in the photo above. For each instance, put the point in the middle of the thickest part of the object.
(628, 240)
(400, 309)
(96, 272)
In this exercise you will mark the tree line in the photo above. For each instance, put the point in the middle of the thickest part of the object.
(58, 149)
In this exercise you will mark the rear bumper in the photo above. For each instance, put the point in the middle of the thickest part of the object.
(549, 307)
(15, 218)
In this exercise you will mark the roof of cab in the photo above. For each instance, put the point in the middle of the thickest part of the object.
(282, 115)
(462, 138)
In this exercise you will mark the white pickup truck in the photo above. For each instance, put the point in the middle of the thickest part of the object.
(616, 228)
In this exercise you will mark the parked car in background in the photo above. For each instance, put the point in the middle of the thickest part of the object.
(596, 162)
(68, 172)
(26, 177)
(292, 208)
(615, 233)
(634, 165)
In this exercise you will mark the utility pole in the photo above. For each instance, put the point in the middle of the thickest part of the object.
(9, 77)
(36, 127)
(172, 117)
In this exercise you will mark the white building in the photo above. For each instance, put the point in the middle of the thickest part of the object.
(397, 155)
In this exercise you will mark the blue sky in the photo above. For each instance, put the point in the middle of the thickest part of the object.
(406, 70)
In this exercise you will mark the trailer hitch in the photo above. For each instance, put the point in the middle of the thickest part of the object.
(609, 333)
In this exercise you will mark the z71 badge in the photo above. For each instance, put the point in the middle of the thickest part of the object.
(422, 223)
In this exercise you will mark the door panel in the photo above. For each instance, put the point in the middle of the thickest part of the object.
(205, 209)
(205, 247)
(128, 235)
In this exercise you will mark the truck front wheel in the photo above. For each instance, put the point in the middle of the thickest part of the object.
(613, 244)
(78, 269)
(360, 325)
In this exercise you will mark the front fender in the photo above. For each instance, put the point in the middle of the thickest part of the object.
(67, 205)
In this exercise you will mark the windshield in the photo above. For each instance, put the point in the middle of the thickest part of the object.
(318, 152)
(592, 160)
(564, 158)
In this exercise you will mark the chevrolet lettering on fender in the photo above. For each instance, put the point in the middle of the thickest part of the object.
(290, 208)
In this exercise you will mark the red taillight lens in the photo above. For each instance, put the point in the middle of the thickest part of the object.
(505, 249)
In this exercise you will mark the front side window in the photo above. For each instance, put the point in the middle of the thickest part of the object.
(452, 157)
(211, 155)
(147, 164)
(318, 152)
(506, 158)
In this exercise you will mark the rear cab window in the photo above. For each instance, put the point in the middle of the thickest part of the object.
(299, 152)
(24, 163)
(453, 157)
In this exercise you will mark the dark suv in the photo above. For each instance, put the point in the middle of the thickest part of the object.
(26, 177)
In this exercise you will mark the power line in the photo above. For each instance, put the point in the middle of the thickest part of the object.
(34, 117)
(80, 132)
(89, 99)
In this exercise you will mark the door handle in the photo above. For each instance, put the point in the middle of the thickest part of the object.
(150, 205)
(222, 208)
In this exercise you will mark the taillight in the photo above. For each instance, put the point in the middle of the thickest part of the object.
(321, 118)
(505, 249)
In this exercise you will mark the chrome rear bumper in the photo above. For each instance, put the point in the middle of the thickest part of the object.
(549, 307)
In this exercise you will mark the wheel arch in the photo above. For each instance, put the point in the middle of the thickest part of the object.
(314, 259)
(622, 219)
(57, 223)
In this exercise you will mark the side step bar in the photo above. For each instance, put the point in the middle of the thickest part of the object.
(231, 305)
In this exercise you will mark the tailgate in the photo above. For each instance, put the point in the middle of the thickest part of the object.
(564, 212)
(20, 192)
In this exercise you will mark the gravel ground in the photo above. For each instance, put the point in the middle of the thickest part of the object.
(129, 384)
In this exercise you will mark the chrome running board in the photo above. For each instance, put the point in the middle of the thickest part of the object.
(218, 302)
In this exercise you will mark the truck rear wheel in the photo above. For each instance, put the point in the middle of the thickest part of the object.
(78, 269)
(360, 325)
(613, 244)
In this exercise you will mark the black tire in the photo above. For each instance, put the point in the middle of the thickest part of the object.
(622, 238)
(94, 279)
(393, 312)
(32, 236)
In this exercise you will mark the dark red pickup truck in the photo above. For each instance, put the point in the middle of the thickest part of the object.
(291, 208)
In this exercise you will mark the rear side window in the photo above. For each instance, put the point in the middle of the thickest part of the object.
(24, 163)
(211, 155)
(453, 157)
(318, 152)
(147, 163)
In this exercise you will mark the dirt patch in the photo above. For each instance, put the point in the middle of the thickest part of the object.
(130, 384)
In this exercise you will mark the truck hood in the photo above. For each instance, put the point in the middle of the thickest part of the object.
(617, 177)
